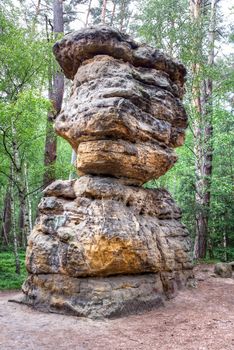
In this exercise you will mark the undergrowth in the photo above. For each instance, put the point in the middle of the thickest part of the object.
(8, 278)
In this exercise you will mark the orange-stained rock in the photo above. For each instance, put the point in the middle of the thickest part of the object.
(108, 229)
(136, 163)
(101, 248)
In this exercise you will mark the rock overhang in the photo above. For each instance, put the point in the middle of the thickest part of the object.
(76, 47)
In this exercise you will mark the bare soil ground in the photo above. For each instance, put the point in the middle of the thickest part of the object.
(197, 319)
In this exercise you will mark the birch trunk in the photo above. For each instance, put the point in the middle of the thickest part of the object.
(122, 7)
(23, 218)
(14, 234)
(29, 205)
(72, 174)
(88, 12)
(113, 14)
(225, 245)
(56, 88)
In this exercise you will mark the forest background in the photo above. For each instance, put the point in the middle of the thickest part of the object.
(199, 33)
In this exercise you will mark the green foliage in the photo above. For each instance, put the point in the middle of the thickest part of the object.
(8, 278)
(179, 181)
(23, 56)
(167, 25)
(118, 13)
(163, 24)
(63, 162)
(207, 261)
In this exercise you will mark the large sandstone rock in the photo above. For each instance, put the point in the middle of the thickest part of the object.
(232, 265)
(123, 119)
(223, 270)
(101, 245)
(108, 229)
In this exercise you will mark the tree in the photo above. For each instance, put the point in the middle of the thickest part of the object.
(25, 54)
(104, 11)
(115, 13)
(88, 12)
(190, 31)
(56, 88)
(203, 124)
(21, 67)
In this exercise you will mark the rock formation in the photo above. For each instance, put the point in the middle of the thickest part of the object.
(223, 269)
(102, 245)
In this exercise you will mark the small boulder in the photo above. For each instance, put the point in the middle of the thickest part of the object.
(232, 265)
(223, 270)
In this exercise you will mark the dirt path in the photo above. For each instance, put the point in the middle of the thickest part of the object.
(198, 319)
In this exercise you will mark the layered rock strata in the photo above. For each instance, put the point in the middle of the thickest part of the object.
(103, 246)
(125, 113)
(121, 245)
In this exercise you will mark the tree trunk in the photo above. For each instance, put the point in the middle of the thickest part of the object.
(19, 180)
(203, 132)
(225, 245)
(72, 174)
(123, 16)
(50, 151)
(104, 11)
(29, 206)
(14, 234)
(6, 217)
(88, 12)
(113, 14)
(56, 88)
(23, 217)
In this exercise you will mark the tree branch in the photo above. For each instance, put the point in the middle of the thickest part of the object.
(6, 149)
(33, 191)
(11, 178)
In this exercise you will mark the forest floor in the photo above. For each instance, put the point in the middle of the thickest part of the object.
(197, 319)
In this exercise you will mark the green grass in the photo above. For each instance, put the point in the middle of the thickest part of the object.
(8, 278)
(206, 261)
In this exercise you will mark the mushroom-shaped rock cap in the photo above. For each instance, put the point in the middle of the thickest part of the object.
(84, 44)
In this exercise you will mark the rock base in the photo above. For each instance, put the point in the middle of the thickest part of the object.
(108, 297)
(100, 248)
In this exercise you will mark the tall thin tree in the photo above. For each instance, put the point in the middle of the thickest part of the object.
(56, 89)
(203, 128)
(103, 16)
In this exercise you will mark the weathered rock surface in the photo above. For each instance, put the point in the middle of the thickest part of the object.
(81, 45)
(136, 163)
(101, 246)
(119, 113)
(232, 265)
(108, 297)
(109, 229)
(223, 270)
